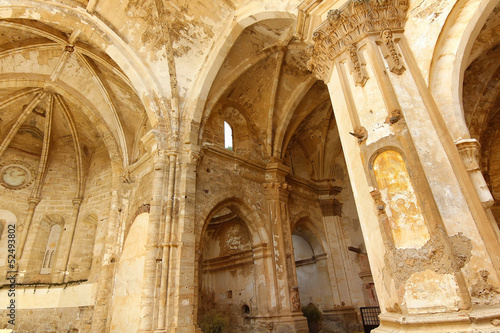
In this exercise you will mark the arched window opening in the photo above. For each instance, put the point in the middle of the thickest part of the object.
(50, 249)
(245, 309)
(228, 136)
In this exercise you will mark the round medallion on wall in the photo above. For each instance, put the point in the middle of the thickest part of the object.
(16, 174)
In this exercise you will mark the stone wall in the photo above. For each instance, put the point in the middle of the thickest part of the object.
(51, 320)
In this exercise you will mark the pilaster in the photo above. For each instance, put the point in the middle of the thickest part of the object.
(153, 141)
(287, 299)
(413, 195)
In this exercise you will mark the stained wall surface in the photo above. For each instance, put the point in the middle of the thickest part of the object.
(364, 168)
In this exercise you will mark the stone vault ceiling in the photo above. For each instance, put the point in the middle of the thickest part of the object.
(51, 67)
(265, 80)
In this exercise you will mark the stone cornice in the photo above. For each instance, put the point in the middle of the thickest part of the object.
(347, 25)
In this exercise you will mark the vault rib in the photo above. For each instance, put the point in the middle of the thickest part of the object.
(293, 127)
(42, 46)
(327, 120)
(102, 61)
(107, 96)
(291, 106)
(76, 143)
(42, 167)
(21, 119)
(36, 31)
(18, 95)
(273, 102)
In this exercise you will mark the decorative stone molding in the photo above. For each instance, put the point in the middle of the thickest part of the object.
(359, 74)
(390, 54)
(347, 25)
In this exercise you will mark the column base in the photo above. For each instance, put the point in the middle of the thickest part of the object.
(477, 320)
(283, 323)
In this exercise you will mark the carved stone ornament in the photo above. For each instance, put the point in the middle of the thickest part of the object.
(394, 116)
(347, 25)
(361, 133)
(469, 152)
(16, 174)
(359, 74)
(390, 53)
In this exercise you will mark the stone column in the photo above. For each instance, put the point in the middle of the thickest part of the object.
(181, 293)
(338, 263)
(287, 304)
(153, 142)
(433, 251)
(167, 242)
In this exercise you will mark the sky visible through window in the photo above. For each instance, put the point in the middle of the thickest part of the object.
(228, 136)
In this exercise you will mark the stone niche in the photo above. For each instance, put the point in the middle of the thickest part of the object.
(227, 271)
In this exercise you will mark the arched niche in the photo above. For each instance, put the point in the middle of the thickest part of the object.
(43, 249)
(227, 279)
(127, 293)
(406, 220)
(311, 267)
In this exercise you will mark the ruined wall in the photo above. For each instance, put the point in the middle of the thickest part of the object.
(53, 320)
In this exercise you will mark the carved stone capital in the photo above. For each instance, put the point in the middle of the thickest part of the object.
(33, 202)
(77, 203)
(277, 191)
(469, 152)
(347, 25)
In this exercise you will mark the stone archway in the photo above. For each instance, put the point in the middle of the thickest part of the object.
(227, 283)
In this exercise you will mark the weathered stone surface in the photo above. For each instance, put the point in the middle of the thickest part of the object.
(134, 210)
